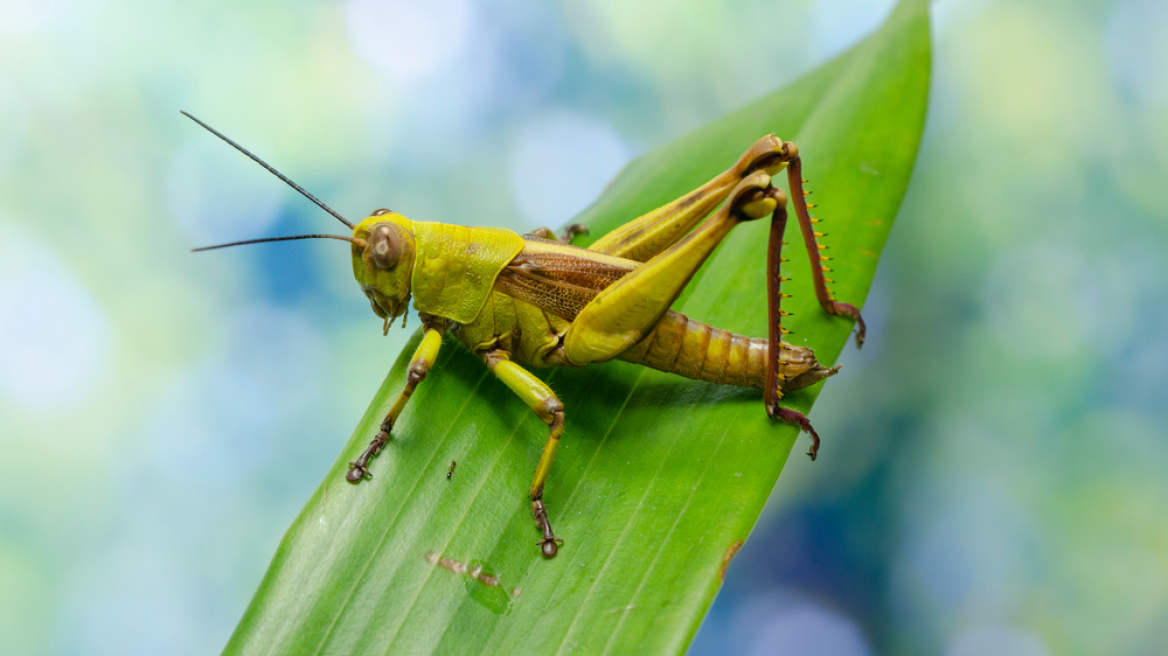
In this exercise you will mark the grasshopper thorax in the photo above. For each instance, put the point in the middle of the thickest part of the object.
(383, 260)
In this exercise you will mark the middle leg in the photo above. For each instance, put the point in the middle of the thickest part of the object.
(542, 400)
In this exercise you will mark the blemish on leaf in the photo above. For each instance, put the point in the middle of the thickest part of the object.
(484, 588)
(473, 569)
(727, 557)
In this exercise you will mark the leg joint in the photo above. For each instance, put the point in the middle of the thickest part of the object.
(765, 155)
(494, 357)
(417, 372)
(755, 198)
(551, 411)
(769, 154)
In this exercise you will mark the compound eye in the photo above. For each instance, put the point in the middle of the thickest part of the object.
(385, 246)
(381, 212)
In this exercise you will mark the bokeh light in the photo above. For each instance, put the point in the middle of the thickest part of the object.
(54, 337)
(560, 163)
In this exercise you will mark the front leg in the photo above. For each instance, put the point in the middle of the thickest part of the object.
(541, 399)
(420, 364)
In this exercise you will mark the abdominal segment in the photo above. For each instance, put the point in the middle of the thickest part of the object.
(697, 350)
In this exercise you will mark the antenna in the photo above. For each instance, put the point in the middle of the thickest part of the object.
(357, 242)
(273, 172)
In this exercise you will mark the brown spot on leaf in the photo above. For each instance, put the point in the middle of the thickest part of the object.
(473, 570)
(727, 557)
(456, 566)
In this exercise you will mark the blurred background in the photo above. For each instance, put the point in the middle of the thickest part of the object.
(997, 479)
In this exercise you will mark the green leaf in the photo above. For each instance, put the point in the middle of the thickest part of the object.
(658, 480)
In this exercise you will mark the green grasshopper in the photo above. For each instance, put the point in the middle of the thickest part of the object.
(539, 301)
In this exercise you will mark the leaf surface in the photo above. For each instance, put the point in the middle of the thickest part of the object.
(658, 480)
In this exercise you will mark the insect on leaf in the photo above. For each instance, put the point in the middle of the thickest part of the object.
(658, 478)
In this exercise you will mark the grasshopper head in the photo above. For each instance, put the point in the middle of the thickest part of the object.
(383, 259)
(383, 246)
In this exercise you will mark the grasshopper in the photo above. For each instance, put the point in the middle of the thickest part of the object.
(534, 300)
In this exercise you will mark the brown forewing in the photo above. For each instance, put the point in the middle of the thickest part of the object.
(557, 282)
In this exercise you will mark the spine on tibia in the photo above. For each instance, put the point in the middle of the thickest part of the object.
(696, 350)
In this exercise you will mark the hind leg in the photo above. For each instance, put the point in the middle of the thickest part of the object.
(649, 235)
(628, 309)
